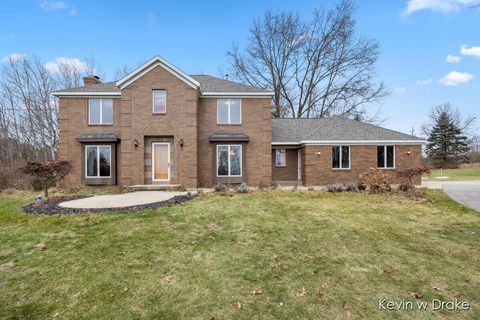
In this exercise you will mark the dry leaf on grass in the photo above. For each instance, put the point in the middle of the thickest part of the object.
(302, 291)
(125, 289)
(280, 304)
(346, 306)
(323, 286)
(416, 295)
(167, 279)
(239, 305)
(435, 287)
(256, 292)
(386, 271)
(319, 294)
(42, 246)
(211, 226)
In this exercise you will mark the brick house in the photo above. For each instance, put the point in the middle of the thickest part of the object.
(160, 126)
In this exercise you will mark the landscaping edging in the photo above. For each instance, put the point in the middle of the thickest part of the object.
(51, 207)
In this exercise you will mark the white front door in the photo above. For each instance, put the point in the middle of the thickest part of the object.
(160, 161)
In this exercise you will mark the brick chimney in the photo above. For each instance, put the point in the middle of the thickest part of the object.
(91, 80)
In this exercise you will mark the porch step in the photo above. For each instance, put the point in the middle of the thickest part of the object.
(291, 183)
(156, 187)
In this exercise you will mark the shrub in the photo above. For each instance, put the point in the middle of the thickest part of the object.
(243, 188)
(408, 175)
(376, 180)
(362, 186)
(220, 187)
(352, 187)
(336, 187)
(46, 173)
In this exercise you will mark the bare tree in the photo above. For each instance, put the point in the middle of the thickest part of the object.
(316, 69)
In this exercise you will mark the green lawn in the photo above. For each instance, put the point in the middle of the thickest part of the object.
(454, 174)
(202, 259)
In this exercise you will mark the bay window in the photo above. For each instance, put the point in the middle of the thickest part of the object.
(229, 160)
(98, 161)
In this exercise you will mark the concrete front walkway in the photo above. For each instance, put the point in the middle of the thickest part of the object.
(121, 200)
(464, 192)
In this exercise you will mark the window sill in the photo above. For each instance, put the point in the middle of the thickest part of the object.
(229, 124)
(386, 168)
(341, 169)
(158, 113)
(100, 124)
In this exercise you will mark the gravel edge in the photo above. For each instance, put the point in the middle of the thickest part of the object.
(51, 207)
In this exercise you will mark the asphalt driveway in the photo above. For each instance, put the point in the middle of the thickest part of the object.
(464, 192)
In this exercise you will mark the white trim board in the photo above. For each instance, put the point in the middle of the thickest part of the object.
(352, 142)
(87, 94)
(152, 64)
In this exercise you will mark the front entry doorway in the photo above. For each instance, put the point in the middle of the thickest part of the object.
(160, 161)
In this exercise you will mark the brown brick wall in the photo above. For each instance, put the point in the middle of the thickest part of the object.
(318, 169)
(256, 123)
(290, 171)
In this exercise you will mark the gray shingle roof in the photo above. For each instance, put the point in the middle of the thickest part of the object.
(207, 84)
(99, 87)
(333, 129)
(214, 84)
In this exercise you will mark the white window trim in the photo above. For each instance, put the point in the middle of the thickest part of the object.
(98, 161)
(340, 157)
(229, 122)
(153, 101)
(153, 160)
(280, 166)
(101, 112)
(228, 165)
(385, 157)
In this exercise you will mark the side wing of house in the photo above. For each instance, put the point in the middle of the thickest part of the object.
(336, 150)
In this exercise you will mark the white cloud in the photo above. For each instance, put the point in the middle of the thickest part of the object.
(424, 82)
(472, 51)
(400, 90)
(444, 6)
(56, 6)
(14, 57)
(453, 59)
(455, 78)
(64, 62)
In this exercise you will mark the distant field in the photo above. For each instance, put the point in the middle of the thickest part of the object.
(454, 174)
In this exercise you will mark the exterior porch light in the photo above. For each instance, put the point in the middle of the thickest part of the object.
(180, 142)
(408, 152)
(318, 154)
(135, 143)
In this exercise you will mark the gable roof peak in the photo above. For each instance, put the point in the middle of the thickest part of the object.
(150, 65)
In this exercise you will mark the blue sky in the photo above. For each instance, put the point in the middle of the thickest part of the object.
(415, 37)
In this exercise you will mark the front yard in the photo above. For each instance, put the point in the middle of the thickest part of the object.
(458, 174)
(265, 255)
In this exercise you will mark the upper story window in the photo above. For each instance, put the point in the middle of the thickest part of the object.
(341, 157)
(280, 158)
(159, 101)
(100, 111)
(229, 111)
(385, 157)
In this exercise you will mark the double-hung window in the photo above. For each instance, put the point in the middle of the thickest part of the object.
(229, 160)
(385, 157)
(159, 101)
(280, 157)
(229, 111)
(341, 157)
(98, 161)
(100, 111)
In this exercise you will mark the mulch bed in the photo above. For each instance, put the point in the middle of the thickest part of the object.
(51, 206)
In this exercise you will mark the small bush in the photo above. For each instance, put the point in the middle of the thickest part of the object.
(362, 186)
(376, 180)
(336, 187)
(46, 173)
(220, 187)
(243, 188)
(408, 175)
(352, 187)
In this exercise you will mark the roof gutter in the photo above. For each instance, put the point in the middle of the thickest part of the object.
(350, 142)
(85, 94)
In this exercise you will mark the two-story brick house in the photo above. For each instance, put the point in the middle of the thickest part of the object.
(158, 125)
